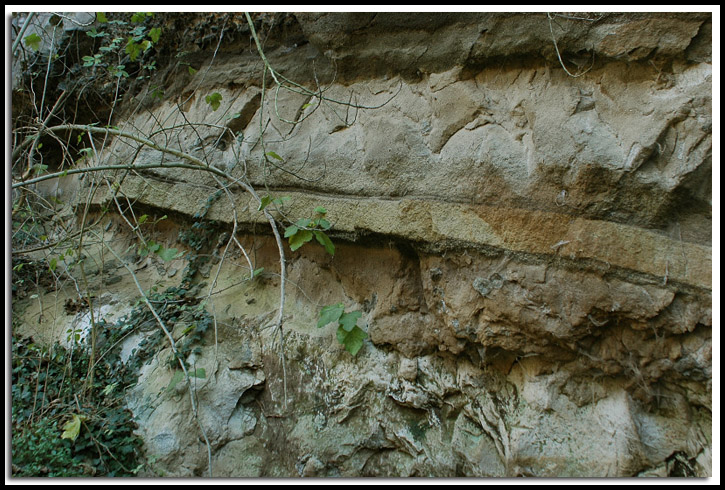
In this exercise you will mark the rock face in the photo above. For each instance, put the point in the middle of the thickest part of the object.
(521, 209)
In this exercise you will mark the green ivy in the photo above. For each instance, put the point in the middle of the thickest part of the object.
(214, 100)
(58, 432)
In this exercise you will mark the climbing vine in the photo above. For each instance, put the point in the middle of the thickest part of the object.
(82, 416)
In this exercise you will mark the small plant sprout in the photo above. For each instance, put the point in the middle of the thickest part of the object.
(305, 229)
(348, 333)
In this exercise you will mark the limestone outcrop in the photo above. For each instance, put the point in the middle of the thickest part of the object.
(521, 207)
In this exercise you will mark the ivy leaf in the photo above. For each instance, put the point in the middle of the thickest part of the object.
(178, 377)
(109, 388)
(348, 321)
(138, 17)
(32, 41)
(167, 254)
(330, 314)
(94, 33)
(72, 429)
(214, 100)
(133, 49)
(155, 34)
(299, 239)
(352, 340)
(325, 241)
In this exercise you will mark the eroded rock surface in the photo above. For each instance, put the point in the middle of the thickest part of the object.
(530, 251)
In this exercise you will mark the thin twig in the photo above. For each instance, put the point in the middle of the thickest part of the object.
(172, 343)
(558, 54)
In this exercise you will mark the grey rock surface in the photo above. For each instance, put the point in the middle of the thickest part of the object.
(521, 206)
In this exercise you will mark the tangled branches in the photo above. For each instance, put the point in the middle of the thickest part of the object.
(53, 188)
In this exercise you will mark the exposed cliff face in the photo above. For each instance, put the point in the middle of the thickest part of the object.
(530, 250)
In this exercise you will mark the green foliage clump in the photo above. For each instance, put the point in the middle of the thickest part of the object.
(348, 333)
(62, 425)
(198, 237)
(305, 229)
(39, 451)
(138, 38)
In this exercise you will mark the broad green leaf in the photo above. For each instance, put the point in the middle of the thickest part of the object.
(320, 210)
(257, 272)
(138, 17)
(299, 239)
(53, 263)
(303, 223)
(72, 429)
(291, 230)
(325, 242)
(101, 17)
(155, 34)
(33, 41)
(192, 70)
(198, 373)
(274, 155)
(94, 33)
(324, 224)
(178, 377)
(348, 320)
(214, 100)
(264, 202)
(133, 49)
(143, 219)
(330, 314)
(352, 340)
(167, 254)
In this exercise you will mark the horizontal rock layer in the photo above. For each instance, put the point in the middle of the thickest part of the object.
(521, 208)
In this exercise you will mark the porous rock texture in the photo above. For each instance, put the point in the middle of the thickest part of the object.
(530, 248)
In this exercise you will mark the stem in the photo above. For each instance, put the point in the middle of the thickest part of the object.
(173, 347)
(19, 39)
(259, 47)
